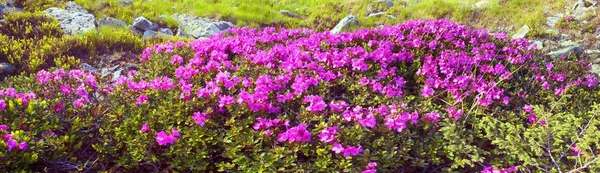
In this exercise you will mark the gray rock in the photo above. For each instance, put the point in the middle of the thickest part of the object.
(200, 27)
(72, 6)
(180, 32)
(379, 6)
(390, 17)
(583, 8)
(136, 31)
(116, 75)
(538, 45)
(2, 21)
(572, 50)
(144, 24)
(592, 55)
(551, 21)
(6, 68)
(8, 9)
(112, 22)
(522, 32)
(126, 2)
(166, 31)
(88, 67)
(483, 4)
(151, 33)
(344, 24)
(376, 14)
(289, 14)
(595, 69)
(72, 22)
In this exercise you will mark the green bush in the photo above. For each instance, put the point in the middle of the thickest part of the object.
(423, 96)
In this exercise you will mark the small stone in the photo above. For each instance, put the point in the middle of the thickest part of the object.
(551, 21)
(126, 2)
(344, 24)
(88, 67)
(376, 14)
(390, 17)
(522, 32)
(72, 22)
(144, 24)
(6, 68)
(200, 27)
(289, 14)
(136, 31)
(595, 69)
(484, 4)
(112, 22)
(116, 75)
(151, 33)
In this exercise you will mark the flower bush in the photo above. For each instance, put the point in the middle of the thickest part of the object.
(426, 95)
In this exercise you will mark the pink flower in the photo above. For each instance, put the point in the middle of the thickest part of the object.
(200, 118)
(4, 127)
(23, 146)
(79, 102)
(327, 135)
(268, 132)
(175, 132)
(145, 128)
(176, 59)
(452, 112)
(528, 108)
(352, 151)
(532, 119)
(226, 100)
(432, 117)
(316, 103)
(369, 121)
(295, 134)
(43, 77)
(576, 151)
(370, 168)
(569, 18)
(11, 144)
(59, 106)
(164, 139)
(337, 148)
(141, 100)
(2, 105)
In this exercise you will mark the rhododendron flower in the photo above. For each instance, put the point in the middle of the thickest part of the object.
(2, 105)
(11, 144)
(175, 132)
(569, 18)
(295, 134)
(338, 106)
(368, 121)
(43, 77)
(454, 113)
(200, 118)
(337, 148)
(59, 106)
(164, 139)
(226, 100)
(327, 135)
(532, 118)
(370, 168)
(23, 146)
(145, 128)
(141, 100)
(316, 103)
(576, 151)
(432, 117)
(176, 59)
(528, 108)
(490, 169)
(352, 151)
(79, 102)
(4, 127)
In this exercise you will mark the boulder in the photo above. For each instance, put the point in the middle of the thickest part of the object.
(200, 27)
(112, 22)
(289, 14)
(144, 24)
(572, 50)
(166, 31)
(135, 31)
(7, 8)
(72, 22)
(344, 24)
(521, 33)
(6, 68)
(72, 6)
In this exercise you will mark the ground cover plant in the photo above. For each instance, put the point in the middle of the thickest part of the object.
(425, 95)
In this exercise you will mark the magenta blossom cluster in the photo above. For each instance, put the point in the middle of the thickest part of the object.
(162, 138)
(295, 134)
(346, 151)
(10, 141)
(370, 168)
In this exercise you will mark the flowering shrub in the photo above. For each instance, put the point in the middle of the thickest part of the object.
(421, 96)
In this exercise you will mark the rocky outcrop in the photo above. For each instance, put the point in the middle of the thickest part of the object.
(199, 27)
(72, 6)
(144, 24)
(73, 21)
(6, 8)
(344, 24)
(583, 8)
(521, 33)
(6, 68)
